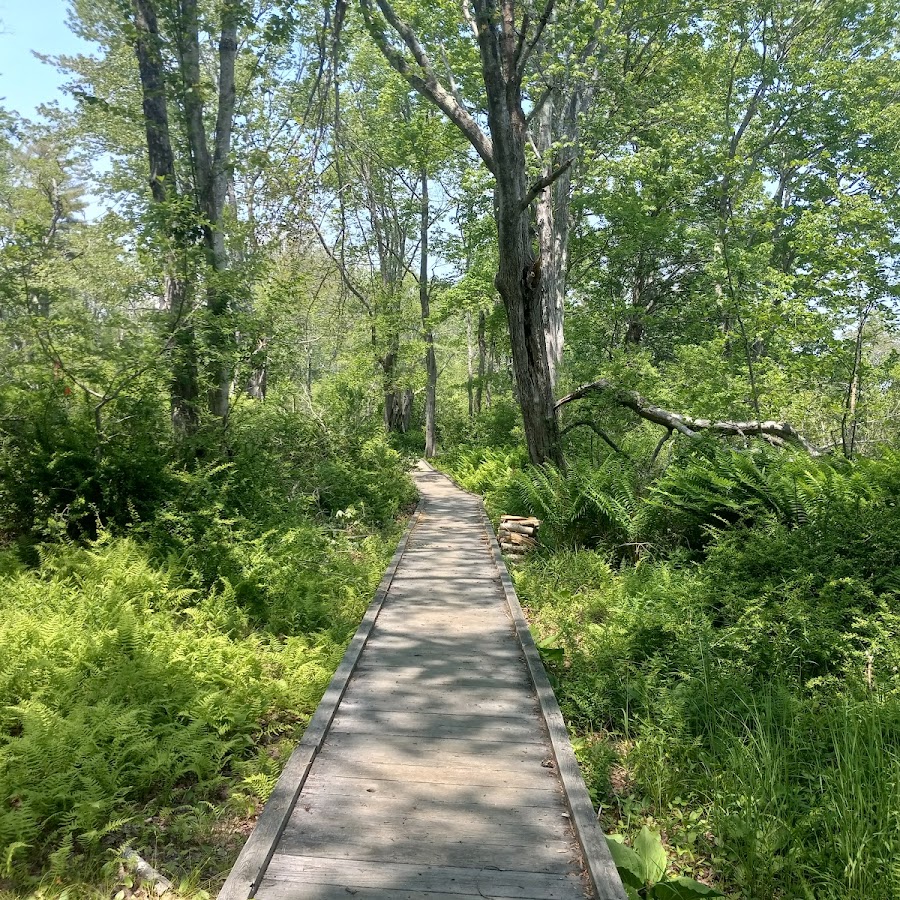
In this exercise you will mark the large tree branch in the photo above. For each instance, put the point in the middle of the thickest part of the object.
(524, 51)
(423, 78)
(690, 426)
(544, 182)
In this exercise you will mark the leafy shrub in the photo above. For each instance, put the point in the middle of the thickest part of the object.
(757, 682)
(585, 506)
(121, 686)
(57, 474)
(278, 457)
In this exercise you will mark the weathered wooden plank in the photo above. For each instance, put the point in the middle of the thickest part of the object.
(509, 681)
(444, 768)
(411, 622)
(440, 645)
(404, 667)
(514, 775)
(453, 824)
(479, 820)
(480, 703)
(529, 853)
(472, 796)
(280, 890)
(485, 882)
(439, 749)
(431, 724)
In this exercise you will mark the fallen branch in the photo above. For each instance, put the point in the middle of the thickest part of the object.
(690, 426)
(146, 872)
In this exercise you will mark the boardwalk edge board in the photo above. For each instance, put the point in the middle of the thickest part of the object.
(597, 859)
(254, 858)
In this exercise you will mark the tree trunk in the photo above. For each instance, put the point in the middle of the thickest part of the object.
(398, 410)
(482, 353)
(425, 303)
(184, 385)
(470, 365)
(211, 186)
(257, 383)
(553, 226)
(519, 274)
(849, 420)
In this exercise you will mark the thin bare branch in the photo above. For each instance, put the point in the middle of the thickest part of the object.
(587, 423)
(522, 55)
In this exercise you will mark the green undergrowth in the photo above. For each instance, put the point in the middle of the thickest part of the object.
(154, 678)
(724, 637)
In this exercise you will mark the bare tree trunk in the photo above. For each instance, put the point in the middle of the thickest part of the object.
(553, 226)
(184, 386)
(482, 352)
(424, 302)
(398, 410)
(492, 355)
(470, 365)
(257, 383)
(211, 177)
(849, 420)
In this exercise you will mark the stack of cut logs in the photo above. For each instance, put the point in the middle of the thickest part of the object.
(518, 534)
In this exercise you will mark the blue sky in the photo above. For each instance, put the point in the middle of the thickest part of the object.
(25, 26)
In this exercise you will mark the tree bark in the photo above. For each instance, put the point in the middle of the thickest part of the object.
(482, 354)
(177, 299)
(503, 53)
(258, 382)
(470, 365)
(211, 176)
(849, 420)
(553, 220)
(425, 303)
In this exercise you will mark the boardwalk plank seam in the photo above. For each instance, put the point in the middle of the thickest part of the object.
(256, 854)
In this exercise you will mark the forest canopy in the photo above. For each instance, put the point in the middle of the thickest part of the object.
(630, 267)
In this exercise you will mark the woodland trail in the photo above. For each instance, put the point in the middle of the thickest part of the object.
(437, 765)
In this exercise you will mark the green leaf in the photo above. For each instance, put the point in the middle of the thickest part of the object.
(630, 865)
(552, 654)
(682, 889)
(649, 848)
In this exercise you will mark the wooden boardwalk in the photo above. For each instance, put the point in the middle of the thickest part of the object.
(437, 765)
